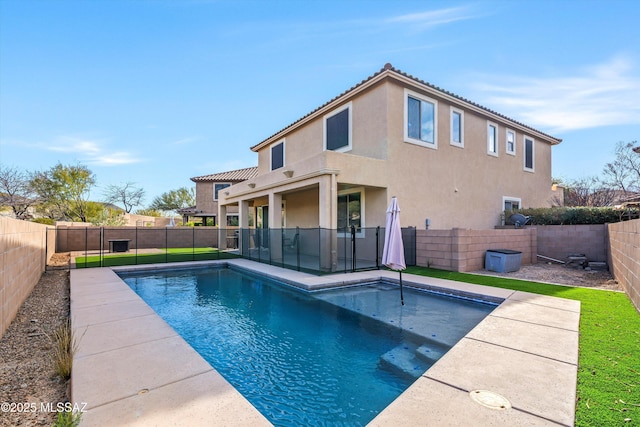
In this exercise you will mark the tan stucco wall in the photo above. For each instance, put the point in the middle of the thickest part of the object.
(452, 186)
(23, 257)
(624, 257)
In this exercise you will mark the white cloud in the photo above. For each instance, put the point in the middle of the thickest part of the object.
(600, 95)
(432, 18)
(93, 152)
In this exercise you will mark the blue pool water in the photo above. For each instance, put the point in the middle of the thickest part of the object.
(335, 357)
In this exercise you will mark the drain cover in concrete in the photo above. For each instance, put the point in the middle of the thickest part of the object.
(490, 399)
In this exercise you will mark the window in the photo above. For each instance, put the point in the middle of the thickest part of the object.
(529, 152)
(492, 139)
(337, 130)
(511, 203)
(277, 155)
(217, 187)
(420, 120)
(350, 209)
(457, 127)
(511, 142)
(233, 220)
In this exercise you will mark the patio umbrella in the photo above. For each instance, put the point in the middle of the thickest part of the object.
(393, 252)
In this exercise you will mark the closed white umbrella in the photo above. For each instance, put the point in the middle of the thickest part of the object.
(393, 252)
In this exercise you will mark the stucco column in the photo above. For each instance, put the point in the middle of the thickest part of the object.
(275, 227)
(243, 224)
(328, 221)
(222, 224)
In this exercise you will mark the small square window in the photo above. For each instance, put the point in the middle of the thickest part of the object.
(217, 187)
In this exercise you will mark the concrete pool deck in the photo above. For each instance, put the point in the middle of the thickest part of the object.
(131, 368)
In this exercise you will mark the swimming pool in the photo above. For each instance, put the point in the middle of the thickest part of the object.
(335, 357)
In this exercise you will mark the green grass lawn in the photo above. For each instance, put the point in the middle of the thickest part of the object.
(168, 255)
(609, 360)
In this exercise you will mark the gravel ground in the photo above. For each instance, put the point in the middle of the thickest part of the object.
(556, 273)
(27, 374)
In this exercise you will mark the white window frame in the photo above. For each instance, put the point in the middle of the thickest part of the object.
(359, 233)
(275, 144)
(489, 151)
(231, 215)
(524, 153)
(454, 110)
(214, 188)
(511, 199)
(434, 145)
(327, 116)
(506, 142)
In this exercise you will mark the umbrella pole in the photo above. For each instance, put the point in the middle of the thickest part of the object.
(401, 295)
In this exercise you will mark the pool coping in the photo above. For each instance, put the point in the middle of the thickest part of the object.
(134, 368)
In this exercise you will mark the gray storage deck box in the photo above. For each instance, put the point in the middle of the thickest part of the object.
(502, 260)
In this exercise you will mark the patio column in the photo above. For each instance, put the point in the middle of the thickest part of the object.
(328, 221)
(222, 224)
(275, 227)
(243, 223)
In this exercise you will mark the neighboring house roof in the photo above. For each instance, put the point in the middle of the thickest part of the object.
(389, 69)
(229, 176)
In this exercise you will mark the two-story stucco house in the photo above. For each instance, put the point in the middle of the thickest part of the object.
(449, 161)
(208, 188)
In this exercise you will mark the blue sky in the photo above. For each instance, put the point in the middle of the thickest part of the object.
(156, 92)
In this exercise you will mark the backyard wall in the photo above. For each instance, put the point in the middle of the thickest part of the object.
(558, 241)
(624, 257)
(92, 238)
(23, 257)
(464, 250)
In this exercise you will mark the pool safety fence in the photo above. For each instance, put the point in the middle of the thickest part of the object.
(314, 250)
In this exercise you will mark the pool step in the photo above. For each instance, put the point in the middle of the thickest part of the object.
(402, 360)
(430, 353)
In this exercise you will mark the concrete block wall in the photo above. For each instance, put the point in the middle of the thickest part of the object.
(558, 241)
(88, 238)
(464, 250)
(23, 257)
(624, 257)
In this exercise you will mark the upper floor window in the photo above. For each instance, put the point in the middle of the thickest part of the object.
(529, 153)
(492, 139)
(511, 142)
(219, 186)
(420, 120)
(277, 155)
(457, 127)
(337, 129)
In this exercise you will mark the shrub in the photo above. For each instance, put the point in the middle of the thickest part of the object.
(575, 215)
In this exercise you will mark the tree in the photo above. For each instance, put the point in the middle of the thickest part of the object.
(623, 173)
(175, 199)
(588, 191)
(64, 191)
(126, 195)
(16, 192)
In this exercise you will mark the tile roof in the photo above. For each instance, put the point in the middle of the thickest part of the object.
(229, 176)
(388, 68)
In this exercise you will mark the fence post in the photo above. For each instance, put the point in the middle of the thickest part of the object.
(353, 248)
